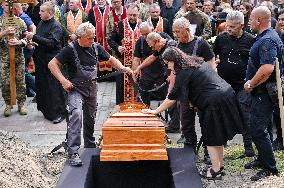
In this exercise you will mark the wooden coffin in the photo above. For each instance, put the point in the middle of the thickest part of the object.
(130, 135)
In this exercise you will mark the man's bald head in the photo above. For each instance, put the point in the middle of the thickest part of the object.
(262, 12)
(260, 19)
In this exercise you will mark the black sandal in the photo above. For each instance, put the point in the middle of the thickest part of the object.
(205, 169)
(214, 175)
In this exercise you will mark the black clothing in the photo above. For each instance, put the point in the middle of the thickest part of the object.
(166, 26)
(33, 13)
(85, 55)
(187, 114)
(214, 97)
(156, 69)
(50, 95)
(152, 75)
(169, 14)
(117, 35)
(204, 50)
(234, 56)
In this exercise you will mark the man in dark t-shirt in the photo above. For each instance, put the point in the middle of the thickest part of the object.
(153, 75)
(192, 46)
(233, 49)
(81, 58)
(159, 42)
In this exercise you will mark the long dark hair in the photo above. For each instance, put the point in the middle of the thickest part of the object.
(180, 59)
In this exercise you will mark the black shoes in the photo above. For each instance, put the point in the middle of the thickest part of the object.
(74, 160)
(58, 120)
(171, 130)
(249, 151)
(253, 164)
(263, 174)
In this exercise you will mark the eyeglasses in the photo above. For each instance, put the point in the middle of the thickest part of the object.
(281, 19)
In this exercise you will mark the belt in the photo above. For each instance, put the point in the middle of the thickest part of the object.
(259, 90)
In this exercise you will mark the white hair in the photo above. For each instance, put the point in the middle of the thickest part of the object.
(236, 16)
(153, 36)
(146, 25)
(181, 23)
(84, 28)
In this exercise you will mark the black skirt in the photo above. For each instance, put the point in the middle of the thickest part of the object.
(221, 120)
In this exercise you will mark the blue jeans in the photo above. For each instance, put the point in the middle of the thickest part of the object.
(260, 121)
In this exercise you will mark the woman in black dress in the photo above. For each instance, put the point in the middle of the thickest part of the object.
(198, 83)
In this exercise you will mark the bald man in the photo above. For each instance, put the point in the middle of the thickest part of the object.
(260, 72)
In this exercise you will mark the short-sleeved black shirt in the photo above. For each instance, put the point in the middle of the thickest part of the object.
(86, 56)
(234, 55)
(199, 85)
(156, 68)
(204, 50)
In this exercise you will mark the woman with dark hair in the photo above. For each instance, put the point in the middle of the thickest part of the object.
(198, 83)
(246, 9)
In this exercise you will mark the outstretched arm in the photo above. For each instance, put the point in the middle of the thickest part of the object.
(165, 105)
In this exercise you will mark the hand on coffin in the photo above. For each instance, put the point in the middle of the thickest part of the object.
(149, 111)
(121, 49)
(127, 70)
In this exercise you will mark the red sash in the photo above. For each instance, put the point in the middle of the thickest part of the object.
(116, 19)
(101, 21)
(130, 38)
(88, 6)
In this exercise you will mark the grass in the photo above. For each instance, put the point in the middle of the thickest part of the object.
(233, 163)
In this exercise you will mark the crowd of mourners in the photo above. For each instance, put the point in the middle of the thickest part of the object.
(217, 58)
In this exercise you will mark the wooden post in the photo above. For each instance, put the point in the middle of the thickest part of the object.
(12, 48)
(280, 97)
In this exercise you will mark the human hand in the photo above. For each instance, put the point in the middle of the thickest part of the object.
(121, 49)
(73, 37)
(29, 35)
(9, 30)
(67, 85)
(137, 72)
(14, 42)
(148, 111)
(247, 86)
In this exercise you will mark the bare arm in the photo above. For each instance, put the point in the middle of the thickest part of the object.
(148, 61)
(136, 63)
(165, 105)
(118, 65)
(54, 67)
(261, 76)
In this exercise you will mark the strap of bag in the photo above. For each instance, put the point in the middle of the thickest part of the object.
(196, 46)
(77, 60)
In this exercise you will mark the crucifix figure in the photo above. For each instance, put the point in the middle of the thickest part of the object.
(12, 40)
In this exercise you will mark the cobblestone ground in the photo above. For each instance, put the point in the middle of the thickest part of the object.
(38, 136)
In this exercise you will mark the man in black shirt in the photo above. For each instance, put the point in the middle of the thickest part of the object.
(169, 11)
(81, 58)
(159, 42)
(233, 49)
(153, 75)
(192, 46)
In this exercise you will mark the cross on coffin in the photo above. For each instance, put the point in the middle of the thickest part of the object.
(12, 22)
